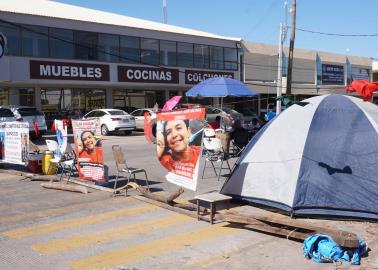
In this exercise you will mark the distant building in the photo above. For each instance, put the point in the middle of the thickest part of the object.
(314, 72)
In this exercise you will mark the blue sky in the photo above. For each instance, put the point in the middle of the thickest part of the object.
(258, 20)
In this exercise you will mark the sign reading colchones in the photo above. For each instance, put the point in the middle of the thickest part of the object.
(197, 76)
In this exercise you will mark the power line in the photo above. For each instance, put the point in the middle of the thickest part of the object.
(335, 34)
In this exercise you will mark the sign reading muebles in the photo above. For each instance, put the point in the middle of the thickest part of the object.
(68, 71)
(147, 75)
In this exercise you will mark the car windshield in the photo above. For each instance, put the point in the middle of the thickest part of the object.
(118, 112)
(229, 111)
(29, 111)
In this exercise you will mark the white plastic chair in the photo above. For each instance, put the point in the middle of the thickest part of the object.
(214, 153)
(209, 133)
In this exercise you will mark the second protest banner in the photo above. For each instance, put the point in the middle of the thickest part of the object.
(14, 142)
(88, 148)
(178, 140)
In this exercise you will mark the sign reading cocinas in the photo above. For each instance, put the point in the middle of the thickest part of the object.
(147, 75)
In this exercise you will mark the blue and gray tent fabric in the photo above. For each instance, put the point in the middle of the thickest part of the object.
(317, 159)
(322, 249)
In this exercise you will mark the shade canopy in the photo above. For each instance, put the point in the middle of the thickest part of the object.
(317, 159)
(220, 87)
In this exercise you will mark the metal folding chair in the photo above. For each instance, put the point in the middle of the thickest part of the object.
(122, 167)
(69, 163)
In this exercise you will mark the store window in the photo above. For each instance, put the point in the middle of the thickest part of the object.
(149, 51)
(230, 58)
(13, 36)
(137, 99)
(168, 53)
(73, 103)
(201, 56)
(121, 100)
(61, 43)
(86, 100)
(27, 96)
(4, 97)
(185, 54)
(129, 50)
(216, 57)
(86, 44)
(108, 47)
(55, 99)
(160, 98)
(35, 41)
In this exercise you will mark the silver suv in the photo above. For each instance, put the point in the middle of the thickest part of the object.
(139, 119)
(229, 115)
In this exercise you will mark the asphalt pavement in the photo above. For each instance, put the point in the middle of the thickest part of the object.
(52, 229)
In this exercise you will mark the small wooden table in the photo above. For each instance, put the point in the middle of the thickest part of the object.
(211, 198)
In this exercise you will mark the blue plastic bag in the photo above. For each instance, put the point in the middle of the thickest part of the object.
(321, 248)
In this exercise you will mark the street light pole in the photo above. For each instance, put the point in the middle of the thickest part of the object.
(279, 73)
(281, 40)
(291, 49)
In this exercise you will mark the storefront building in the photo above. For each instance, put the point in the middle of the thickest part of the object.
(93, 59)
(65, 59)
(314, 72)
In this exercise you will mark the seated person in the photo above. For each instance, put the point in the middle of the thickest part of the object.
(255, 126)
(239, 135)
(216, 124)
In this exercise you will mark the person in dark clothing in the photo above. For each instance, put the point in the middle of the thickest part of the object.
(239, 135)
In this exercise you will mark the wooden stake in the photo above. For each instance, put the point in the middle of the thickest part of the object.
(61, 186)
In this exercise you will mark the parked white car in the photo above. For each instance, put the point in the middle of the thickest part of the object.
(6, 115)
(139, 119)
(113, 120)
(30, 115)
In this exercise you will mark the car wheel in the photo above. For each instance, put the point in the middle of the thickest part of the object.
(104, 130)
(128, 132)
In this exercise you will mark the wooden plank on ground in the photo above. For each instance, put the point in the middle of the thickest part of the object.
(343, 238)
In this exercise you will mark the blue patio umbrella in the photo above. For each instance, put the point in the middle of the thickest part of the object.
(220, 87)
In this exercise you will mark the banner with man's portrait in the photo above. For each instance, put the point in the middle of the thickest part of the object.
(14, 142)
(88, 148)
(178, 140)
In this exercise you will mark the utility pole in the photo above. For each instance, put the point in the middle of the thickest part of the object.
(291, 49)
(281, 39)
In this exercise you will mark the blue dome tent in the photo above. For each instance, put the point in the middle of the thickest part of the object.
(317, 159)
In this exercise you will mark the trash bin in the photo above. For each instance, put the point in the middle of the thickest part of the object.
(34, 163)
(46, 156)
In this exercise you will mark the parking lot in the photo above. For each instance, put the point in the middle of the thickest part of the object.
(52, 229)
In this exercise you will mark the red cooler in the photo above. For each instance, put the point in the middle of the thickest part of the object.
(35, 163)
